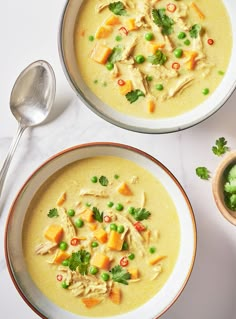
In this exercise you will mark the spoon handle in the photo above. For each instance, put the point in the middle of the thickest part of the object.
(6, 164)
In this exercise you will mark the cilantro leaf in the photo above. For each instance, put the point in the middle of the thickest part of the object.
(80, 260)
(133, 96)
(116, 54)
(120, 275)
(117, 8)
(158, 58)
(163, 21)
(97, 215)
(203, 173)
(220, 147)
(140, 213)
(53, 213)
(195, 31)
(103, 181)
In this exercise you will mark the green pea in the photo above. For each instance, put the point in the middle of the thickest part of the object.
(65, 262)
(109, 66)
(187, 42)
(88, 204)
(120, 229)
(139, 58)
(64, 285)
(116, 176)
(152, 250)
(79, 223)
(113, 227)
(149, 36)
(205, 91)
(159, 87)
(181, 35)
(110, 204)
(93, 270)
(94, 244)
(118, 38)
(91, 38)
(221, 72)
(71, 212)
(178, 53)
(131, 210)
(149, 78)
(94, 179)
(105, 276)
(119, 207)
(131, 256)
(63, 245)
(95, 81)
(125, 246)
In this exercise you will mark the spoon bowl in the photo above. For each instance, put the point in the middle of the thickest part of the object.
(30, 102)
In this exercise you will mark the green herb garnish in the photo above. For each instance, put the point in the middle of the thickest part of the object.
(117, 8)
(97, 215)
(116, 54)
(230, 188)
(120, 275)
(103, 181)
(80, 260)
(163, 21)
(158, 58)
(220, 147)
(53, 213)
(195, 31)
(133, 96)
(203, 172)
(139, 213)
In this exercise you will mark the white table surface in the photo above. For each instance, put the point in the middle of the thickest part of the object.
(28, 32)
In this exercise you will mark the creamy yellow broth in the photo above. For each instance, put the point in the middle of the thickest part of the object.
(163, 225)
(207, 72)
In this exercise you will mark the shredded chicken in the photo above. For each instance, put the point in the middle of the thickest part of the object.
(45, 248)
(157, 270)
(115, 72)
(134, 180)
(138, 79)
(91, 192)
(168, 44)
(143, 199)
(129, 49)
(179, 87)
(179, 16)
(162, 73)
(67, 223)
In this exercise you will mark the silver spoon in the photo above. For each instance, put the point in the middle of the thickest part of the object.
(31, 100)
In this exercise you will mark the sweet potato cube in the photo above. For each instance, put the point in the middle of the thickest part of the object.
(100, 53)
(115, 295)
(151, 106)
(113, 20)
(153, 47)
(100, 260)
(101, 235)
(124, 189)
(61, 199)
(126, 88)
(156, 260)
(87, 216)
(60, 256)
(54, 233)
(115, 242)
(92, 226)
(103, 32)
(130, 24)
(91, 302)
(134, 273)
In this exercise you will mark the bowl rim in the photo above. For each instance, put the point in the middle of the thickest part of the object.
(120, 124)
(106, 144)
(229, 158)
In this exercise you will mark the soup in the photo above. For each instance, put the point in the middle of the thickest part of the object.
(150, 58)
(101, 237)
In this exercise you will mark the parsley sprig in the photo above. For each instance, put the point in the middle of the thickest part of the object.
(117, 8)
(53, 213)
(133, 96)
(163, 21)
(220, 147)
(97, 215)
(120, 275)
(140, 214)
(80, 261)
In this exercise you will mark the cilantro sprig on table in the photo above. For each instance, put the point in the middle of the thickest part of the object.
(119, 274)
(53, 213)
(163, 21)
(220, 147)
(117, 8)
(203, 172)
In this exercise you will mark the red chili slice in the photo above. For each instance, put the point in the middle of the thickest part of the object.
(171, 7)
(74, 241)
(124, 30)
(139, 226)
(107, 219)
(210, 41)
(121, 82)
(59, 277)
(175, 66)
(124, 261)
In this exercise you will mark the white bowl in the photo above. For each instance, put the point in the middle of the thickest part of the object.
(13, 235)
(165, 125)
